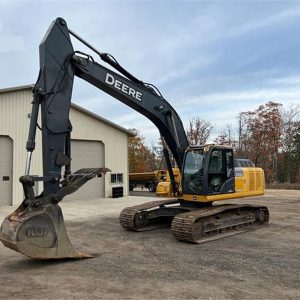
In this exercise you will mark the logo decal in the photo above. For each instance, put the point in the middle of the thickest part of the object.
(121, 86)
(36, 232)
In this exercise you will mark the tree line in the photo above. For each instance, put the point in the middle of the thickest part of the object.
(269, 136)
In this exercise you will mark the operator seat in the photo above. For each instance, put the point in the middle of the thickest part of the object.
(214, 172)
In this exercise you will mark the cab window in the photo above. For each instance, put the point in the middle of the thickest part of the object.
(193, 172)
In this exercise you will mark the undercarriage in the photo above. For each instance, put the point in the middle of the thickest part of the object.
(193, 222)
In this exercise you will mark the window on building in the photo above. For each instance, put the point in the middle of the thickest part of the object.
(116, 178)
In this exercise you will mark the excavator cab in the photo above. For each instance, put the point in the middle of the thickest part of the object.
(208, 170)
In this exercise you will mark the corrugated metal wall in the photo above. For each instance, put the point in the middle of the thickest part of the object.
(14, 122)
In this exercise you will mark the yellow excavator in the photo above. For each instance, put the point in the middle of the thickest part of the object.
(164, 187)
(208, 176)
(36, 228)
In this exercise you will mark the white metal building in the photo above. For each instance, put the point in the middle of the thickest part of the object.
(95, 142)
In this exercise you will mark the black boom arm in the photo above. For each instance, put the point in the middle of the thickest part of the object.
(138, 97)
(53, 90)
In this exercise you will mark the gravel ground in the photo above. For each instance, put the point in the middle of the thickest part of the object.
(261, 264)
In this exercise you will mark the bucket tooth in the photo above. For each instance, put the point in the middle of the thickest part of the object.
(39, 233)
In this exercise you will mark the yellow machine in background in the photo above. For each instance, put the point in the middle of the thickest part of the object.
(149, 180)
(164, 187)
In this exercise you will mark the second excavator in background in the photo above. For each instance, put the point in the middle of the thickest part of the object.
(37, 228)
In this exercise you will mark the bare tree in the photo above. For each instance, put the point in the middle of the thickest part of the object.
(290, 117)
(226, 137)
(198, 131)
(290, 130)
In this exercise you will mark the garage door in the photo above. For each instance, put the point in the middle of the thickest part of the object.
(6, 154)
(88, 154)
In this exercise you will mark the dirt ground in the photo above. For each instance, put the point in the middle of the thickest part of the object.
(261, 264)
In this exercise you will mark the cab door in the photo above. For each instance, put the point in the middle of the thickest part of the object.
(220, 175)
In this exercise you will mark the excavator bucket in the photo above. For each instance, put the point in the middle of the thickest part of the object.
(37, 228)
(38, 232)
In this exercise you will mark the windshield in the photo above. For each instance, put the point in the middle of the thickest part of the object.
(193, 172)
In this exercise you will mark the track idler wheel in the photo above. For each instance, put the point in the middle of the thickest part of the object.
(140, 219)
(261, 216)
(38, 232)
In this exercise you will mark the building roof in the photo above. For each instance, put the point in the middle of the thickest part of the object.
(74, 106)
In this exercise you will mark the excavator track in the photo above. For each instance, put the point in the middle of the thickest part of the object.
(192, 224)
(215, 222)
(148, 215)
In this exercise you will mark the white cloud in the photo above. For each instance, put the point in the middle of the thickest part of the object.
(222, 108)
(268, 21)
(246, 97)
(288, 81)
(9, 41)
(192, 64)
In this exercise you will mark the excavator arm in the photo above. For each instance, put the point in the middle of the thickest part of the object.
(53, 90)
(37, 228)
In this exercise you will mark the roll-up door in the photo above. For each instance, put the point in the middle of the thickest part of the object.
(88, 154)
(6, 164)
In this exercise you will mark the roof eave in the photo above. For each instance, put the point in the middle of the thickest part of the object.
(75, 106)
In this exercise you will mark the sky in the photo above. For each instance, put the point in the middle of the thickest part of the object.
(209, 59)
